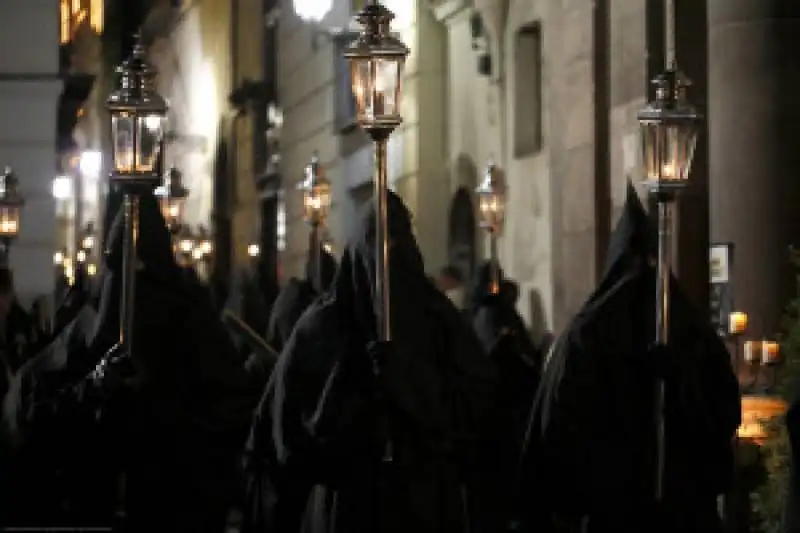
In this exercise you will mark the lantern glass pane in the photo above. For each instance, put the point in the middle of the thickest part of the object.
(362, 80)
(172, 209)
(668, 150)
(387, 86)
(9, 221)
(148, 146)
(123, 135)
(492, 210)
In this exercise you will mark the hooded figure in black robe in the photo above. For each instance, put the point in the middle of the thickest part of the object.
(58, 471)
(792, 514)
(506, 340)
(246, 302)
(176, 413)
(298, 294)
(335, 396)
(590, 457)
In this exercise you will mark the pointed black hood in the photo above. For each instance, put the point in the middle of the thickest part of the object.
(633, 237)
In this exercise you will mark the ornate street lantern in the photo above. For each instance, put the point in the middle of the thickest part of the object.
(172, 195)
(491, 195)
(137, 139)
(137, 122)
(316, 193)
(11, 203)
(376, 60)
(492, 200)
(669, 126)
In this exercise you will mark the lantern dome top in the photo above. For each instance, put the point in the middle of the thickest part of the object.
(136, 92)
(375, 38)
(493, 182)
(314, 175)
(670, 103)
(9, 188)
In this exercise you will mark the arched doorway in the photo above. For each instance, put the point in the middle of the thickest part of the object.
(461, 233)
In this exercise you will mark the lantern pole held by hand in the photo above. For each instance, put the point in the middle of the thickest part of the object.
(316, 207)
(137, 130)
(377, 60)
(491, 195)
(668, 128)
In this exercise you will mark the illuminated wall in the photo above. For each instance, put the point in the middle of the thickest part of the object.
(29, 91)
(193, 61)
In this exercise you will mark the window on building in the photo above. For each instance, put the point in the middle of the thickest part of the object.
(280, 226)
(528, 90)
(75, 12)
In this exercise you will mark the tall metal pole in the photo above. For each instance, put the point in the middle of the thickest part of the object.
(494, 263)
(128, 303)
(664, 272)
(382, 293)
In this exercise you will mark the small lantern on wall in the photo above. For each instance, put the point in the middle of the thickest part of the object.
(87, 241)
(172, 195)
(11, 203)
(316, 193)
(137, 122)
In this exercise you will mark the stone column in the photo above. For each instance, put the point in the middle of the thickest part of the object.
(753, 113)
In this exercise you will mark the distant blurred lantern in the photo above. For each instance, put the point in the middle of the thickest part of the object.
(492, 207)
(11, 203)
(81, 256)
(492, 200)
(172, 195)
(91, 269)
(197, 254)
(312, 10)
(316, 193)
(253, 250)
(184, 246)
(669, 127)
(87, 241)
(204, 244)
(59, 257)
(376, 60)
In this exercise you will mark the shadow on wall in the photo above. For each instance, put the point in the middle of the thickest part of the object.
(542, 336)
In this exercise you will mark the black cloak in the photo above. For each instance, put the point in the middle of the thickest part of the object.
(590, 453)
(178, 427)
(297, 295)
(320, 426)
(792, 515)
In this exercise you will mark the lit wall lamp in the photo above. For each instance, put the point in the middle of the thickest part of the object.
(88, 239)
(253, 250)
(316, 207)
(184, 246)
(59, 257)
(762, 358)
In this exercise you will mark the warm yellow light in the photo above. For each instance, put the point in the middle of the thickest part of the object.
(58, 258)
(96, 15)
(76, 6)
(197, 254)
(206, 247)
(737, 323)
(81, 256)
(770, 352)
(186, 245)
(756, 410)
(65, 22)
(91, 269)
(88, 242)
(253, 250)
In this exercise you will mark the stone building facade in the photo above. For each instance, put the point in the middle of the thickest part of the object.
(30, 86)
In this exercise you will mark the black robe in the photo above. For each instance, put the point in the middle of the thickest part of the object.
(246, 301)
(322, 420)
(176, 429)
(297, 295)
(590, 454)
